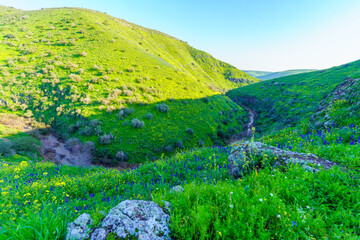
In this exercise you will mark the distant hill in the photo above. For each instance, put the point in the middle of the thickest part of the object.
(122, 86)
(288, 100)
(257, 74)
(262, 75)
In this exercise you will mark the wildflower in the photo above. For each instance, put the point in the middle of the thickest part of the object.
(220, 234)
(5, 165)
(293, 223)
(16, 176)
(261, 200)
(45, 173)
(271, 194)
(279, 216)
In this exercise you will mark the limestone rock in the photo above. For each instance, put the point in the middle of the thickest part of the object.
(241, 153)
(80, 228)
(143, 219)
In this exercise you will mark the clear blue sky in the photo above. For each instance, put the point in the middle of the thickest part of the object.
(249, 34)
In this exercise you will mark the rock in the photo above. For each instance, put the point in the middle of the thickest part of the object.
(241, 153)
(79, 229)
(177, 188)
(143, 219)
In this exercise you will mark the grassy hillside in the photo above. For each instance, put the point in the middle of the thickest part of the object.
(279, 203)
(122, 86)
(285, 101)
(262, 75)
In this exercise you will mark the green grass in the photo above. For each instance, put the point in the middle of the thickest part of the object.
(277, 203)
(78, 65)
(286, 101)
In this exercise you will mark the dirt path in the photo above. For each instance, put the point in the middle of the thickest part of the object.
(250, 125)
(247, 129)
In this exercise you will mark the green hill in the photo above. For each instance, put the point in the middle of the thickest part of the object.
(257, 74)
(285, 101)
(270, 75)
(122, 86)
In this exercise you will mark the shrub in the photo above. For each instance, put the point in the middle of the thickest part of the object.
(94, 123)
(125, 112)
(103, 153)
(87, 131)
(98, 130)
(10, 35)
(136, 123)
(83, 54)
(162, 107)
(179, 145)
(149, 116)
(5, 148)
(106, 138)
(121, 156)
(25, 144)
(189, 131)
(169, 148)
(128, 93)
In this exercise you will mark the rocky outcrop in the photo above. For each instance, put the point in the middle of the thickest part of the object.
(347, 91)
(143, 219)
(245, 152)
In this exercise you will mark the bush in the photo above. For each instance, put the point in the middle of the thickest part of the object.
(169, 148)
(179, 145)
(149, 116)
(125, 112)
(189, 131)
(83, 54)
(87, 131)
(106, 138)
(25, 144)
(5, 148)
(128, 93)
(94, 123)
(131, 69)
(136, 123)
(162, 107)
(103, 153)
(121, 156)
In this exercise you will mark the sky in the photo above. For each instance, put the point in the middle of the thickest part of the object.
(268, 35)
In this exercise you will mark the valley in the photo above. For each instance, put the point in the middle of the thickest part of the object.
(110, 130)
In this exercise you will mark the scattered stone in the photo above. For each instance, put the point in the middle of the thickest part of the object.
(240, 154)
